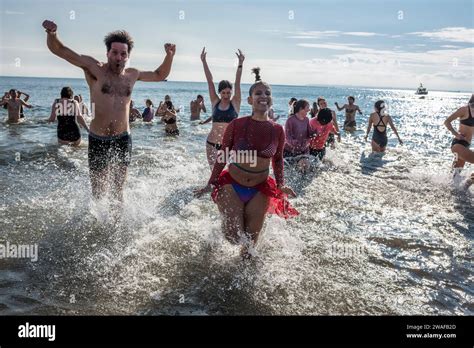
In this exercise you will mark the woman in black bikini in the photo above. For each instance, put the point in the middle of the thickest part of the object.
(169, 118)
(463, 137)
(68, 113)
(380, 119)
(224, 108)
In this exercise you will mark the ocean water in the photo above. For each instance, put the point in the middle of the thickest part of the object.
(376, 235)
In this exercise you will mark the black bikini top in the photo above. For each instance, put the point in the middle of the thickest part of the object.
(380, 125)
(170, 120)
(470, 120)
(225, 116)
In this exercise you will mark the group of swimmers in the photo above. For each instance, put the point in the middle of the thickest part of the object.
(166, 111)
(243, 190)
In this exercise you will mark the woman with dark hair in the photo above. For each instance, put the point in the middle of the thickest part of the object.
(245, 192)
(322, 104)
(322, 124)
(291, 105)
(225, 107)
(314, 110)
(298, 133)
(380, 119)
(68, 113)
(133, 112)
(463, 137)
(148, 113)
(168, 116)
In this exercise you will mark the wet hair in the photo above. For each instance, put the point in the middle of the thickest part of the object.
(199, 96)
(169, 104)
(324, 116)
(299, 105)
(314, 110)
(292, 100)
(76, 98)
(148, 101)
(223, 85)
(258, 80)
(13, 91)
(118, 36)
(66, 92)
(351, 97)
(379, 105)
(131, 103)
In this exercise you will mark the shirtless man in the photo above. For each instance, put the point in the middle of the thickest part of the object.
(350, 122)
(196, 107)
(14, 105)
(110, 84)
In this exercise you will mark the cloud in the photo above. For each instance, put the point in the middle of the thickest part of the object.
(453, 34)
(361, 33)
(449, 46)
(8, 12)
(333, 46)
(328, 33)
(312, 34)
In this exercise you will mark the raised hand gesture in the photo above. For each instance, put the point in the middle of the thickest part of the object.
(170, 49)
(240, 55)
(50, 26)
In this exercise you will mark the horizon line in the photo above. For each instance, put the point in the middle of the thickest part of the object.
(275, 84)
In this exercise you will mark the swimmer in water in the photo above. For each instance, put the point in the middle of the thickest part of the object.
(380, 119)
(14, 106)
(322, 104)
(323, 126)
(133, 113)
(148, 112)
(245, 192)
(225, 107)
(169, 117)
(350, 124)
(298, 133)
(110, 85)
(68, 113)
(461, 143)
(19, 94)
(196, 106)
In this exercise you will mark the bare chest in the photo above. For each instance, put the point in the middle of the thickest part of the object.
(115, 87)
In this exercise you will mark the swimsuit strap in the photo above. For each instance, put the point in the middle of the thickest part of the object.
(380, 120)
(250, 171)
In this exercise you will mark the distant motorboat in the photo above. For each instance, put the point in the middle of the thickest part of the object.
(421, 90)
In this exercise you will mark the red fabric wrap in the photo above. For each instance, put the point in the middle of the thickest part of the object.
(278, 203)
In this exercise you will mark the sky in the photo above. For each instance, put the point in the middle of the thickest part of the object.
(369, 43)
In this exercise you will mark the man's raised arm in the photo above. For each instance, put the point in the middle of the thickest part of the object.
(163, 70)
(57, 47)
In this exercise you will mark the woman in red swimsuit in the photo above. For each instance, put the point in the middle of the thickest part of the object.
(245, 192)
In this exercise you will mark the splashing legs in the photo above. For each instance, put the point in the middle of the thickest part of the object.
(98, 182)
(255, 211)
(232, 210)
(118, 176)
